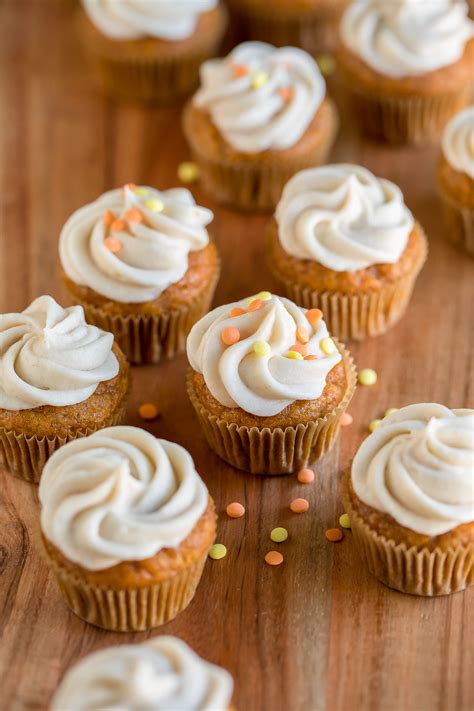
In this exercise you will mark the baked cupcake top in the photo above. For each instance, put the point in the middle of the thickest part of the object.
(131, 244)
(418, 466)
(401, 38)
(343, 217)
(162, 674)
(458, 142)
(262, 354)
(119, 495)
(260, 97)
(134, 19)
(51, 356)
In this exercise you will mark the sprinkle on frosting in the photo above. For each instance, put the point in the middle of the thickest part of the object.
(458, 142)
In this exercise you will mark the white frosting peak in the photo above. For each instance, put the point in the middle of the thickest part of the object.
(418, 466)
(260, 97)
(343, 217)
(119, 495)
(51, 356)
(458, 142)
(162, 674)
(262, 383)
(401, 38)
(149, 252)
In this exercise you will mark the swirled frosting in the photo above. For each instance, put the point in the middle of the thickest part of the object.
(401, 38)
(260, 97)
(162, 674)
(119, 495)
(343, 217)
(132, 244)
(134, 19)
(265, 382)
(418, 466)
(458, 142)
(51, 356)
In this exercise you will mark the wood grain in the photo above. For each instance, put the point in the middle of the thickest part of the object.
(316, 634)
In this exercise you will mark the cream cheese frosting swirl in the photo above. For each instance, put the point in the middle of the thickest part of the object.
(260, 97)
(257, 373)
(401, 38)
(134, 19)
(418, 466)
(343, 217)
(119, 495)
(162, 674)
(132, 244)
(51, 356)
(458, 142)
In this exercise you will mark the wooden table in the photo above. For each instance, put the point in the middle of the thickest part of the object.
(317, 633)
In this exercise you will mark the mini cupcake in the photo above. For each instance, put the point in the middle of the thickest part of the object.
(344, 241)
(141, 264)
(410, 500)
(161, 674)
(127, 524)
(260, 115)
(407, 65)
(309, 24)
(60, 379)
(456, 179)
(150, 51)
(268, 383)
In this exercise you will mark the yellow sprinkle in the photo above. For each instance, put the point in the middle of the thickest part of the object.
(262, 348)
(259, 79)
(367, 376)
(374, 424)
(294, 355)
(263, 296)
(344, 521)
(278, 535)
(390, 411)
(326, 64)
(155, 204)
(327, 346)
(142, 191)
(218, 551)
(188, 172)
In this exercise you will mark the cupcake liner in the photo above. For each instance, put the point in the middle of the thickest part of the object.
(417, 571)
(274, 450)
(460, 224)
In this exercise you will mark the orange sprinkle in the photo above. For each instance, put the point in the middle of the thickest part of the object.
(118, 226)
(346, 419)
(108, 218)
(255, 305)
(235, 510)
(237, 311)
(230, 336)
(131, 186)
(135, 215)
(334, 535)
(148, 411)
(112, 244)
(240, 70)
(302, 334)
(305, 476)
(299, 506)
(311, 357)
(285, 93)
(274, 558)
(299, 348)
(314, 316)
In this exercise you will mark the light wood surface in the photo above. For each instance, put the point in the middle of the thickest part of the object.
(317, 633)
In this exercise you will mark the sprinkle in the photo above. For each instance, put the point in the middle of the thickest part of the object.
(285, 93)
(299, 506)
(262, 348)
(294, 355)
(112, 244)
(118, 226)
(367, 376)
(259, 79)
(237, 312)
(326, 64)
(305, 476)
(240, 70)
(148, 411)
(334, 535)
(346, 419)
(373, 425)
(311, 357)
(142, 191)
(327, 346)
(314, 316)
(235, 510)
(299, 348)
(302, 334)
(344, 521)
(131, 186)
(230, 336)
(108, 218)
(390, 411)
(274, 558)
(254, 304)
(217, 551)
(155, 204)
(264, 296)
(278, 535)
(134, 215)
(188, 172)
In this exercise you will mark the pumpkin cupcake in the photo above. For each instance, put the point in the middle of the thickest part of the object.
(260, 115)
(268, 383)
(150, 51)
(141, 264)
(61, 379)
(407, 65)
(456, 179)
(410, 500)
(127, 524)
(344, 241)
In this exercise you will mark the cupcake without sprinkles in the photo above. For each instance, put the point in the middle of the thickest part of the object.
(260, 115)
(140, 262)
(270, 402)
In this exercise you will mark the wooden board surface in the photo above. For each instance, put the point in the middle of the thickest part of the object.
(317, 633)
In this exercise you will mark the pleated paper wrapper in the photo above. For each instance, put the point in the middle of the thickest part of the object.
(459, 224)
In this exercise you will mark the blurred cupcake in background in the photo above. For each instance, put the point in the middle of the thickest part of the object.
(150, 51)
(456, 179)
(261, 115)
(407, 65)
